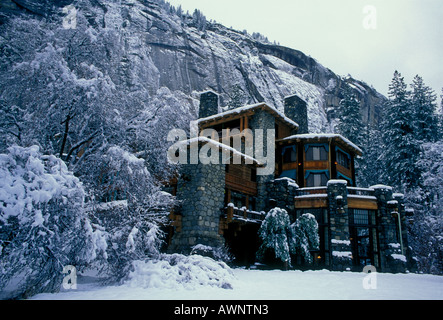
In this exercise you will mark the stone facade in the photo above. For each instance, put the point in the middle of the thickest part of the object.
(208, 104)
(296, 109)
(264, 121)
(392, 247)
(200, 192)
(341, 253)
(281, 193)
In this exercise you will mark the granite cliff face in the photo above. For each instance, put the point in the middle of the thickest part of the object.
(146, 45)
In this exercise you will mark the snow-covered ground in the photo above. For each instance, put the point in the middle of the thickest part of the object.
(270, 285)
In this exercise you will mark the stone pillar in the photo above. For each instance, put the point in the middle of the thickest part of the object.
(264, 121)
(296, 109)
(283, 191)
(340, 246)
(208, 104)
(201, 192)
(391, 257)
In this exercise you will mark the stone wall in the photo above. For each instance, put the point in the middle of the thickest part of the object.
(208, 104)
(296, 109)
(265, 121)
(201, 191)
(281, 194)
(341, 254)
(391, 256)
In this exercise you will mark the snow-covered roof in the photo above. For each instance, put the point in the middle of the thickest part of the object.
(320, 136)
(221, 147)
(240, 110)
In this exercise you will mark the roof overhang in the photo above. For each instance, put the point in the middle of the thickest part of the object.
(323, 137)
(248, 110)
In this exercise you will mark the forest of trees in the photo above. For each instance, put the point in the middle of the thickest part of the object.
(405, 151)
(82, 157)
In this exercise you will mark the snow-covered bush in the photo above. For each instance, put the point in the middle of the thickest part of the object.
(275, 233)
(284, 239)
(179, 271)
(305, 236)
(216, 253)
(43, 225)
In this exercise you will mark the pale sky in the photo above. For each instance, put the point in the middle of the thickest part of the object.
(408, 34)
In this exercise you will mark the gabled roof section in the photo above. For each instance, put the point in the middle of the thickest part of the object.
(221, 147)
(245, 110)
(338, 138)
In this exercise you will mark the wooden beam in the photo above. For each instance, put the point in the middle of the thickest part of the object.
(362, 203)
(311, 203)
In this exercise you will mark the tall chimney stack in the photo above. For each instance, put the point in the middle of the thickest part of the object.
(208, 104)
(296, 109)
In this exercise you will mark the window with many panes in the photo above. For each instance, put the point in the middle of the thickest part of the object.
(316, 179)
(364, 239)
(316, 153)
(343, 159)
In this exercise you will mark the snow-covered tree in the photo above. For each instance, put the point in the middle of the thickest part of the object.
(350, 124)
(275, 233)
(305, 236)
(412, 161)
(131, 207)
(423, 100)
(199, 20)
(426, 233)
(349, 118)
(150, 127)
(371, 166)
(283, 239)
(43, 224)
(401, 147)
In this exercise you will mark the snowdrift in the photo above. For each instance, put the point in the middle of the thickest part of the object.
(177, 271)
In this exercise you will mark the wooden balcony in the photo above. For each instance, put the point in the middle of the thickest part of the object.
(234, 182)
(242, 214)
(316, 197)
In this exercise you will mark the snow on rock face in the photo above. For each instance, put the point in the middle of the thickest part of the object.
(178, 271)
(143, 46)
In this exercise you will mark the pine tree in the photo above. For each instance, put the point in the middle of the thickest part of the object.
(371, 166)
(426, 233)
(401, 147)
(350, 121)
(423, 101)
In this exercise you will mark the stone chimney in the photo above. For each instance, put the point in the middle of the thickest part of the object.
(208, 104)
(296, 109)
